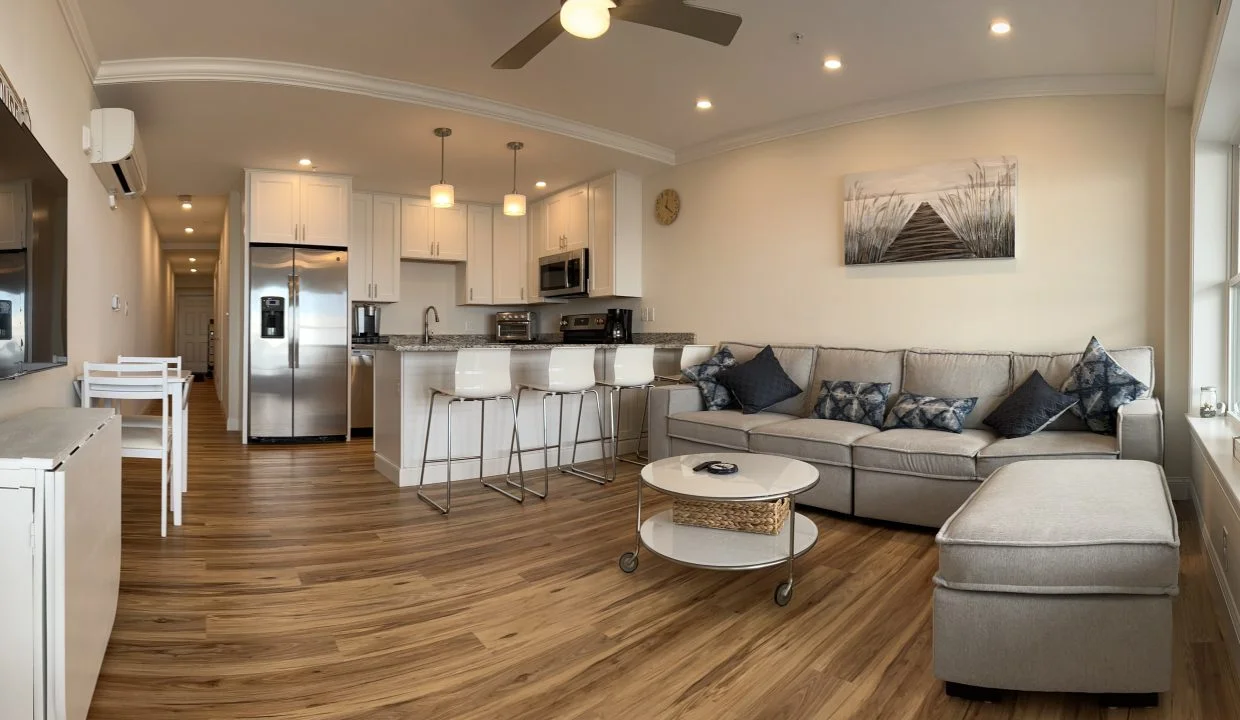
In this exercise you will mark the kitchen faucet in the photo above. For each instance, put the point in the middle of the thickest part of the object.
(426, 323)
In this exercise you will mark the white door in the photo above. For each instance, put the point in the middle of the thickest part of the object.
(452, 233)
(416, 230)
(20, 623)
(478, 270)
(325, 203)
(360, 287)
(193, 321)
(509, 251)
(275, 208)
(385, 249)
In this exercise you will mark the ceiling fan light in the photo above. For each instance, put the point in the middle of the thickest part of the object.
(514, 205)
(443, 196)
(586, 18)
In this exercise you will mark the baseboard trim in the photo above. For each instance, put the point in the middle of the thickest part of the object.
(1223, 601)
(467, 470)
(1181, 488)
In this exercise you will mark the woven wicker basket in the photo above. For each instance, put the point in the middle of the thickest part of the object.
(766, 518)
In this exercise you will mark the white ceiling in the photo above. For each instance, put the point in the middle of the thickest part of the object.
(206, 218)
(204, 261)
(634, 81)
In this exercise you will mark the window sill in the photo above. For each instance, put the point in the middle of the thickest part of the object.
(1214, 437)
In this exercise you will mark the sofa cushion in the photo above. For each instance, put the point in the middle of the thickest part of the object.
(945, 456)
(760, 383)
(797, 361)
(1031, 408)
(1103, 386)
(823, 441)
(877, 366)
(724, 428)
(1065, 527)
(1051, 444)
(938, 373)
(856, 402)
(1055, 367)
(920, 412)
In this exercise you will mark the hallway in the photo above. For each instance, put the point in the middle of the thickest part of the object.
(304, 585)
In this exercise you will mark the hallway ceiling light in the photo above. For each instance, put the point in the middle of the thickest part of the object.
(187, 202)
(540, 184)
(1000, 27)
(514, 202)
(189, 231)
(193, 259)
(833, 63)
(305, 162)
(586, 18)
(704, 104)
(193, 269)
(443, 195)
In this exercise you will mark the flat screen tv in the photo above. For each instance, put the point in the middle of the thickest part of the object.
(33, 254)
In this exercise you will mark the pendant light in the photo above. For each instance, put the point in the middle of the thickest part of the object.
(586, 18)
(514, 202)
(443, 195)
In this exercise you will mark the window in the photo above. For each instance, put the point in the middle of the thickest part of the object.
(1231, 393)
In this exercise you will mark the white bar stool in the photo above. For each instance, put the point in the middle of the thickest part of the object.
(690, 355)
(481, 374)
(631, 368)
(570, 371)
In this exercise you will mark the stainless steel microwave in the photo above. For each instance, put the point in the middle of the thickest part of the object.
(564, 274)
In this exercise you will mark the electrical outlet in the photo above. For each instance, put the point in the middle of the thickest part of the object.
(649, 314)
(469, 325)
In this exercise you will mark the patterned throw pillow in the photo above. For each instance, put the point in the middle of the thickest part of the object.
(856, 402)
(715, 395)
(922, 412)
(1102, 386)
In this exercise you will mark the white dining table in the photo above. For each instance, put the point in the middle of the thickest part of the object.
(178, 391)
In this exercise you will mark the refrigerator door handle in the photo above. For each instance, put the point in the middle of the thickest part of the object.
(290, 323)
(297, 318)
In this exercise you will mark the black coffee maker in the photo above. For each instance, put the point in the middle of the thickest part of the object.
(619, 326)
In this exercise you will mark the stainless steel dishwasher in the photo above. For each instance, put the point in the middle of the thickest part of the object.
(362, 392)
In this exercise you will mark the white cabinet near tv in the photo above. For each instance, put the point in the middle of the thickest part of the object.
(289, 208)
(374, 248)
(60, 558)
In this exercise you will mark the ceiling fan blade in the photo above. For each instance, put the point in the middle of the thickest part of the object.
(530, 45)
(712, 25)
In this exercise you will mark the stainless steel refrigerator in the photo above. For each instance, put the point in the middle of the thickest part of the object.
(299, 343)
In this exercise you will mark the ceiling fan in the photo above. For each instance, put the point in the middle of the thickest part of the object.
(591, 18)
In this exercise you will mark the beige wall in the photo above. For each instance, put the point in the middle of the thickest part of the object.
(757, 252)
(110, 252)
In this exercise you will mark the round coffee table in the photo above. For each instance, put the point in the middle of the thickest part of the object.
(760, 478)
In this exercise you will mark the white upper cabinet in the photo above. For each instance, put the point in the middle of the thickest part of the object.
(298, 208)
(474, 277)
(374, 249)
(15, 219)
(416, 236)
(452, 233)
(510, 243)
(385, 248)
(360, 287)
(568, 225)
(616, 236)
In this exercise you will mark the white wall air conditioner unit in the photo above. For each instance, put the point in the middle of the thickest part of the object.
(116, 151)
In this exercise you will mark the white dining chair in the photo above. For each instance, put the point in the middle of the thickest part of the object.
(174, 367)
(180, 475)
(138, 381)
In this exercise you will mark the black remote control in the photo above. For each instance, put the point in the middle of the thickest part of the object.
(704, 465)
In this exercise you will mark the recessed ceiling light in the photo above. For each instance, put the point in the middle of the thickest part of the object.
(186, 202)
(540, 184)
(832, 63)
(704, 104)
(193, 259)
(189, 231)
(1000, 27)
(193, 269)
(305, 162)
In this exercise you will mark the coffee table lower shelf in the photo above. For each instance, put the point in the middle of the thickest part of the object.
(712, 549)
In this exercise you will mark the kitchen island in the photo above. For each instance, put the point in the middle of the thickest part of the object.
(406, 369)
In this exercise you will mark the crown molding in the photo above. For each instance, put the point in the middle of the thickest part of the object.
(1003, 89)
(187, 69)
(72, 13)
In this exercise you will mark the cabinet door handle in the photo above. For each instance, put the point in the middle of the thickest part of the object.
(471, 293)
(294, 232)
(303, 233)
(522, 293)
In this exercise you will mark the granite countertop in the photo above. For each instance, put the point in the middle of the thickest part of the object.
(450, 343)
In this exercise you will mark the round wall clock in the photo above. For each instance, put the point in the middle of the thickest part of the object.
(667, 207)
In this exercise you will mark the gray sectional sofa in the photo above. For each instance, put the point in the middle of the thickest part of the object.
(918, 477)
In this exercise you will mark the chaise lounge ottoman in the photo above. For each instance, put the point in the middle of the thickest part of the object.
(1058, 575)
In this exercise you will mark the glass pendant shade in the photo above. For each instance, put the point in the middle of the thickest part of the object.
(443, 196)
(586, 18)
(514, 205)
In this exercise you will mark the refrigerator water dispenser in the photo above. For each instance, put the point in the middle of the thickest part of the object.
(273, 318)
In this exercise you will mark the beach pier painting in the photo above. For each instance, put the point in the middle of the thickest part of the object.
(961, 210)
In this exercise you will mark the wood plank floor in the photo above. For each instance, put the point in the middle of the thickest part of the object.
(304, 585)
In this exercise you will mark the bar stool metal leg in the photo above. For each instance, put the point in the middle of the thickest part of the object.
(426, 444)
(641, 459)
(515, 440)
(572, 468)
